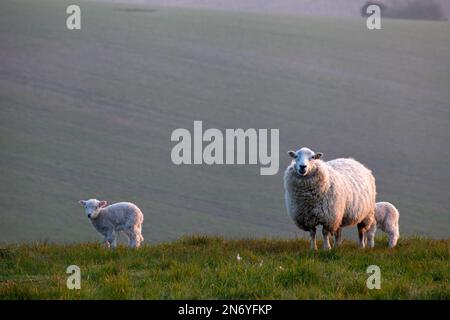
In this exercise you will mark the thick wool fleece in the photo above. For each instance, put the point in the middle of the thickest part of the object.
(122, 216)
(336, 194)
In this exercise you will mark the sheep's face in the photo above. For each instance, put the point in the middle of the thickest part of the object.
(92, 207)
(304, 162)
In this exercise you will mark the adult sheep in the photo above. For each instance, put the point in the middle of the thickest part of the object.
(333, 194)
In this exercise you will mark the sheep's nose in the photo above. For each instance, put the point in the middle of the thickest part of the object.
(89, 215)
(302, 168)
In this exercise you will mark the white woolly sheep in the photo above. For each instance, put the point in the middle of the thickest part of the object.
(109, 220)
(333, 194)
(387, 216)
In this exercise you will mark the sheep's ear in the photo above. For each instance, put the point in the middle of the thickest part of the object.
(292, 154)
(102, 204)
(318, 155)
(82, 202)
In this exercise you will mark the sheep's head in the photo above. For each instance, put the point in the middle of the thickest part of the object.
(305, 161)
(92, 207)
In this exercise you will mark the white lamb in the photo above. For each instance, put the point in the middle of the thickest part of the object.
(109, 220)
(334, 194)
(387, 216)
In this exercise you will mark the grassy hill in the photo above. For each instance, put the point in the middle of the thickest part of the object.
(89, 113)
(200, 267)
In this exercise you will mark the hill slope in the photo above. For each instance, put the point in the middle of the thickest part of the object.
(406, 9)
(202, 267)
(89, 113)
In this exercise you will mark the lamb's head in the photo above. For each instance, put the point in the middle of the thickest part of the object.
(305, 161)
(92, 207)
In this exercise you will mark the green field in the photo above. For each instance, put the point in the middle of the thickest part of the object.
(200, 267)
(89, 113)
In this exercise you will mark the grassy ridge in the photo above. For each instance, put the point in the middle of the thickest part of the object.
(207, 267)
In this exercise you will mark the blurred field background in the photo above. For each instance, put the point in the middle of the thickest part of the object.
(437, 10)
(89, 113)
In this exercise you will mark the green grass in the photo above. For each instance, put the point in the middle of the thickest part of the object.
(201, 267)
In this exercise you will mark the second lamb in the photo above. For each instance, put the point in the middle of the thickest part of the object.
(109, 220)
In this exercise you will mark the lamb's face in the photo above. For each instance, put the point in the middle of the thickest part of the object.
(304, 161)
(92, 207)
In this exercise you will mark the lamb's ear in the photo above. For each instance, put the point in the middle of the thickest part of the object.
(102, 204)
(318, 155)
(292, 154)
(82, 202)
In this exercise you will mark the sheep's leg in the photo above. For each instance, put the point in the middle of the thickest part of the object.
(326, 239)
(361, 235)
(337, 238)
(106, 243)
(313, 244)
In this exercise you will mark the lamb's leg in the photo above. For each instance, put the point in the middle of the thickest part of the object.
(393, 237)
(114, 243)
(337, 238)
(138, 240)
(370, 236)
(112, 239)
(141, 238)
(138, 233)
(361, 235)
(313, 244)
(370, 240)
(106, 243)
(128, 237)
(134, 238)
(326, 239)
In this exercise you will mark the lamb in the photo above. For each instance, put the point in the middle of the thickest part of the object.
(334, 194)
(387, 216)
(109, 220)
